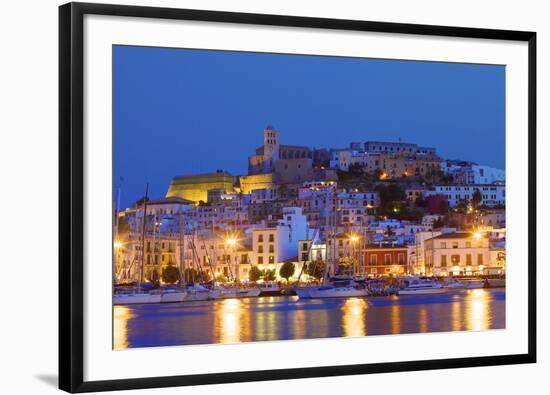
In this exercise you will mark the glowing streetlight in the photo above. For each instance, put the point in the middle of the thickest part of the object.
(354, 238)
(477, 235)
(231, 242)
(117, 244)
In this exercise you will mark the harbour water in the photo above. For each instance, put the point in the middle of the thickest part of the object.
(287, 318)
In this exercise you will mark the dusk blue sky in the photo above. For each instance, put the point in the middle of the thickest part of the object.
(179, 111)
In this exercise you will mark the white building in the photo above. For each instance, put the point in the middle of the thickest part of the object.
(354, 207)
(476, 175)
(341, 159)
(457, 253)
(279, 243)
(491, 195)
(263, 195)
(382, 226)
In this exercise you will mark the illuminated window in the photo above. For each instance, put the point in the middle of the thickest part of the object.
(401, 259)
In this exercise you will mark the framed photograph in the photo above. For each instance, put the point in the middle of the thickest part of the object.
(249, 197)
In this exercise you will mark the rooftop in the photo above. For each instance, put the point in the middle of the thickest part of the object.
(454, 235)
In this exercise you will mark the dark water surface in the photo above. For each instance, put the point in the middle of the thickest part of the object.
(283, 318)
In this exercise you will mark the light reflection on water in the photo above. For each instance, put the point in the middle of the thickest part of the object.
(121, 316)
(282, 318)
(477, 315)
(354, 311)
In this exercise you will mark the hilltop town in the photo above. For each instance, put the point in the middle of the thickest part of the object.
(373, 209)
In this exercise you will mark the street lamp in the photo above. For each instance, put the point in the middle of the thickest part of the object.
(117, 244)
(354, 239)
(230, 242)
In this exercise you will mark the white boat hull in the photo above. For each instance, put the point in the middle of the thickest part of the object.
(136, 298)
(303, 293)
(240, 293)
(451, 288)
(173, 297)
(422, 291)
(193, 296)
(337, 292)
(474, 284)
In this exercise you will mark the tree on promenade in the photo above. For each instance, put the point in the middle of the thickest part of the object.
(170, 274)
(287, 270)
(254, 274)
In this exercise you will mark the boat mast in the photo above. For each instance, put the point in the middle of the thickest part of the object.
(117, 210)
(182, 246)
(143, 235)
(331, 238)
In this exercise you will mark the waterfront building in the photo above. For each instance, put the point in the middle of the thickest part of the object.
(385, 260)
(417, 261)
(491, 195)
(497, 259)
(457, 253)
(312, 250)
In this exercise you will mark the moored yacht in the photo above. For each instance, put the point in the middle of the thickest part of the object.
(452, 284)
(172, 295)
(196, 292)
(473, 283)
(270, 289)
(330, 291)
(422, 287)
(136, 298)
(238, 292)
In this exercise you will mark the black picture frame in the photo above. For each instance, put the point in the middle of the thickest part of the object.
(71, 173)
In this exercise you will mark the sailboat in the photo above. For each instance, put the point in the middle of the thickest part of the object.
(139, 295)
(237, 291)
(197, 291)
(337, 289)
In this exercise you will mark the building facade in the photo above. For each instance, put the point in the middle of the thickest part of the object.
(385, 260)
(456, 254)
